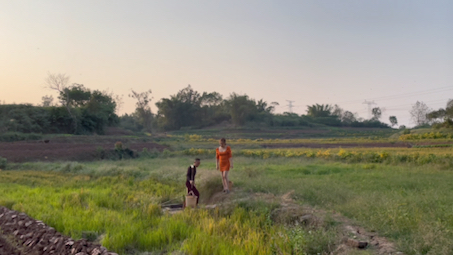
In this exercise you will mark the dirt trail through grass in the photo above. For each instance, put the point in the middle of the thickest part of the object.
(352, 236)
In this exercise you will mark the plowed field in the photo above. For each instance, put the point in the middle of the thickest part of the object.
(55, 150)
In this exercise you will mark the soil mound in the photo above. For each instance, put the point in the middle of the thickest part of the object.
(20, 235)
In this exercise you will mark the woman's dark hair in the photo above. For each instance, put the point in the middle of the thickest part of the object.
(223, 140)
(197, 159)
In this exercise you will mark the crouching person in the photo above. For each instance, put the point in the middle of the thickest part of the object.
(190, 183)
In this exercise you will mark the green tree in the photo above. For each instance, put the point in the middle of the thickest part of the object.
(240, 108)
(213, 109)
(376, 112)
(442, 117)
(180, 110)
(348, 118)
(319, 110)
(75, 95)
(98, 112)
(393, 121)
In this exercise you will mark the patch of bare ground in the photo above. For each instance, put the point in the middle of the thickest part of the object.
(63, 150)
(20, 235)
(352, 236)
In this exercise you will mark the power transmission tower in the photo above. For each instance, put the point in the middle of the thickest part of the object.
(290, 105)
(369, 103)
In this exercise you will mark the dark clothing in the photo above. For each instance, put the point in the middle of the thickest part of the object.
(193, 189)
(191, 172)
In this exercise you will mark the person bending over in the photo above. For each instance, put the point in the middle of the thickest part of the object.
(190, 182)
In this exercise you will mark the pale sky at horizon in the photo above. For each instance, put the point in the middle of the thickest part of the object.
(328, 52)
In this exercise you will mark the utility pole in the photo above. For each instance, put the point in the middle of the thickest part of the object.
(369, 103)
(290, 106)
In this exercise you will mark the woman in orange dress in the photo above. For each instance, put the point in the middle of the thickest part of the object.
(224, 162)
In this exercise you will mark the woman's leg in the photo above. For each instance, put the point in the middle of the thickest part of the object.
(225, 179)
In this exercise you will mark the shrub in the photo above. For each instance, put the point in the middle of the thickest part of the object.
(118, 146)
(154, 153)
(17, 136)
(3, 162)
(100, 152)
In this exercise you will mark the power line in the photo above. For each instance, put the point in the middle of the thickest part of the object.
(428, 102)
(290, 105)
(369, 103)
(416, 93)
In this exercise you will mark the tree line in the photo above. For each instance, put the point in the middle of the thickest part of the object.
(80, 110)
(190, 109)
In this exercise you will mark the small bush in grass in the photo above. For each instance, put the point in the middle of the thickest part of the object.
(90, 235)
(166, 153)
(100, 152)
(7, 203)
(118, 146)
(154, 153)
(3, 162)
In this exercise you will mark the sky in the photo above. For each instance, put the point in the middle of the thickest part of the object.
(390, 52)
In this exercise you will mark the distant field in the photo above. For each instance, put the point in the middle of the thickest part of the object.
(288, 133)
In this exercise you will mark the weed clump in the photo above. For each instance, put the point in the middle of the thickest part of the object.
(3, 162)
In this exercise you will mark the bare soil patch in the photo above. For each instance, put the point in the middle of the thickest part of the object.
(64, 149)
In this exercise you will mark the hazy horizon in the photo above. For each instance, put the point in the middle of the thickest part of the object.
(327, 52)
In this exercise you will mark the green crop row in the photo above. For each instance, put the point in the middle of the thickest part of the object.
(364, 155)
(430, 135)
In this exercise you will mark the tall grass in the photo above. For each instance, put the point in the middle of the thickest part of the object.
(118, 204)
(409, 204)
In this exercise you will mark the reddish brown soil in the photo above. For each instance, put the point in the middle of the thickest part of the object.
(335, 145)
(82, 149)
(20, 235)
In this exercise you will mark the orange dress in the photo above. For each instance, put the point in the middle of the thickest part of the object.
(224, 158)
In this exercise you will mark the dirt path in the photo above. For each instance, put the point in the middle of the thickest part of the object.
(353, 236)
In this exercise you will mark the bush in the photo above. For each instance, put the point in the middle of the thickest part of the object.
(3, 162)
(154, 153)
(17, 136)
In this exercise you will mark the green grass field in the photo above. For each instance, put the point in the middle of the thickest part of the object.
(404, 194)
